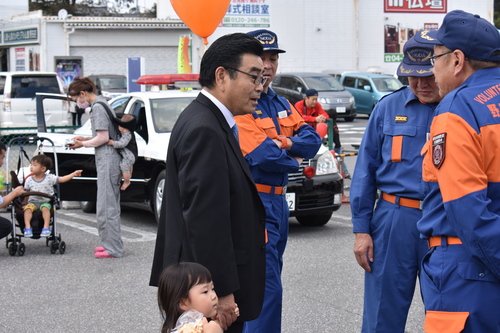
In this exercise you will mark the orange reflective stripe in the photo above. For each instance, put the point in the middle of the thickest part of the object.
(250, 135)
(462, 171)
(405, 202)
(489, 135)
(445, 322)
(269, 189)
(438, 241)
(397, 148)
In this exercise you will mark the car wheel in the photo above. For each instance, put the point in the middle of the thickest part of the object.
(314, 220)
(349, 119)
(158, 194)
(87, 206)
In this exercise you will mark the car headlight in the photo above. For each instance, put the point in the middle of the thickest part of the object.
(327, 164)
(324, 100)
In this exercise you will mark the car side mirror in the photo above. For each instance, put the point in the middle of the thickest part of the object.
(367, 88)
(299, 89)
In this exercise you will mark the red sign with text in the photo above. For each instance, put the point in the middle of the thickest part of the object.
(415, 6)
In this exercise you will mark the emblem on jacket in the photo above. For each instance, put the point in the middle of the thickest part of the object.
(438, 149)
(401, 119)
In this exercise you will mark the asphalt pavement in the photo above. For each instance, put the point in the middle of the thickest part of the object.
(73, 292)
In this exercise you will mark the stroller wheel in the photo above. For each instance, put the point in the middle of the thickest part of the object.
(62, 247)
(21, 250)
(53, 248)
(12, 249)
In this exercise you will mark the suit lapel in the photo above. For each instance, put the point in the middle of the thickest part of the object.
(233, 143)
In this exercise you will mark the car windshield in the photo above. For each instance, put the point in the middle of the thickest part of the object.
(109, 83)
(387, 84)
(323, 83)
(27, 86)
(167, 110)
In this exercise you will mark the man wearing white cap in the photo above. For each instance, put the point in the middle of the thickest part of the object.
(387, 244)
(460, 276)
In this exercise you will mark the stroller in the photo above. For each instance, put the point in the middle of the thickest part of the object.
(20, 150)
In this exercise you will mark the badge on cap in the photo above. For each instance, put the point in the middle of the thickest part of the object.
(438, 149)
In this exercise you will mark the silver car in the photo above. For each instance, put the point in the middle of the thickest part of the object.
(334, 98)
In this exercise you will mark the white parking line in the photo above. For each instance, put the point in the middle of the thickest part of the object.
(143, 236)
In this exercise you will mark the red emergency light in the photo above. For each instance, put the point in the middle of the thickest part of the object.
(309, 172)
(166, 78)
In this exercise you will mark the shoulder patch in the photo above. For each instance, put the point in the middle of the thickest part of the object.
(438, 149)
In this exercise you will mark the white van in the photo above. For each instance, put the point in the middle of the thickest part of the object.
(18, 103)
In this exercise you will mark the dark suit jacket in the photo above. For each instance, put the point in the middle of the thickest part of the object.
(211, 211)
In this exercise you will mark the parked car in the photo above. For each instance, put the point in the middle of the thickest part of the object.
(110, 86)
(17, 99)
(368, 88)
(334, 98)
(313, 193)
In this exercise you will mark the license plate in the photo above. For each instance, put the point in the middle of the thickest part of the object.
(340, 109)
(290, 199)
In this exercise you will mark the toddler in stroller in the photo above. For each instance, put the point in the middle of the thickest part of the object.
(42, 182)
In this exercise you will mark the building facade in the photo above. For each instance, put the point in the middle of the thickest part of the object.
(317, 35)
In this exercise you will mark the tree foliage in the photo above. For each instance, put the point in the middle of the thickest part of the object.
(496, 13)
(90, 8)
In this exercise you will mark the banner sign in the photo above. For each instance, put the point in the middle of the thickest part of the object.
(248, 13)
(184, 55)
(415, 6)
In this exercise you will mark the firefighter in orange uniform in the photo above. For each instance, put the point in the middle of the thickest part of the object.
(460, 276)
(274, 140)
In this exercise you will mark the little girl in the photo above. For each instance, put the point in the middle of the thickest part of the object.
(186, 298)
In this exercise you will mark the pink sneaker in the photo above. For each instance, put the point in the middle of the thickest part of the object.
(103, 255)
(99, 249)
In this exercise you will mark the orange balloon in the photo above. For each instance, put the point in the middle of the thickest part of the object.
(201, 16)
(322, 129)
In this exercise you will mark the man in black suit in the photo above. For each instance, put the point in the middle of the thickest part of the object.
(212, 213)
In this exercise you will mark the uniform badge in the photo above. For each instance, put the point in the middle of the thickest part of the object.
(259, 112)
(282, 114)
(401, 119)
(438, 149)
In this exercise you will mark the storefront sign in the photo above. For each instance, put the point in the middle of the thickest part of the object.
(248, 13)
(20, 53)
(415, 6)
(393, 57)
(20, 36)
(431, 26)
(68, 68)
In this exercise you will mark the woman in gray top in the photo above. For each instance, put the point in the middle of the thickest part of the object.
(107, 159)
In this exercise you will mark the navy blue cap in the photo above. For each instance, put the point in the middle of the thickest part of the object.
(474, 36)
(268, 39)
(311, 92)
(417, 59)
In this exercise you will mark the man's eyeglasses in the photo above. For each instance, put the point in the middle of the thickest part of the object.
(433, 58)
(257, 79)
